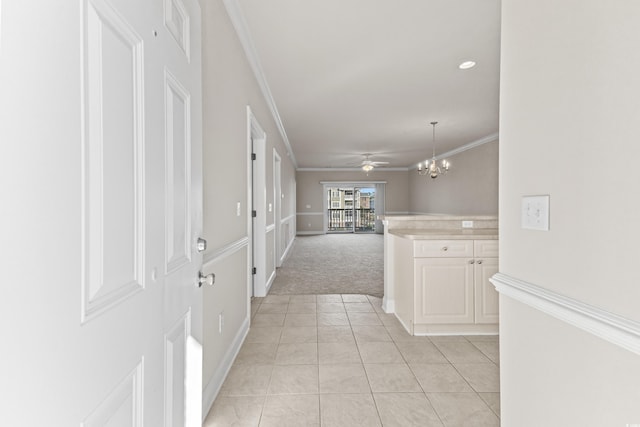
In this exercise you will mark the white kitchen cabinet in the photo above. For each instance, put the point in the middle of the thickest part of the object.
(444, 290)
(447, 289)
(486, 296)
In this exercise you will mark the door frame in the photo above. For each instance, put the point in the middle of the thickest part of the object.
(257, 140)
(277, 215)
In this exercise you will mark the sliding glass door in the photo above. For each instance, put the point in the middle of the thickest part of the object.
(351, 209)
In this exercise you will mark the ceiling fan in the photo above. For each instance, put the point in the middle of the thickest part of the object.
(367, 164)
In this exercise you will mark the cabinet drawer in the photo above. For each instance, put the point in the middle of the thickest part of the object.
(442, 248)
(485, 248)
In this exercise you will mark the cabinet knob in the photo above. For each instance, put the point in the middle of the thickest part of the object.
(444, 248)
(471, 261)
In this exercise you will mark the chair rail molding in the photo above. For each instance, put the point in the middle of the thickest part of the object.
(611, 327)
(225, 251)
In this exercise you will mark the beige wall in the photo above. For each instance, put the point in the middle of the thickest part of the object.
(310, 193)
(229, 86)
(470, 187)
(569, 128)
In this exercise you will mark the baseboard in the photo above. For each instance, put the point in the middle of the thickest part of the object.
(212, 388)
(388, 305)
(287, 251)
(404, 325)
(270, 281)
(308, 233)
(429, 330)
(615, 329)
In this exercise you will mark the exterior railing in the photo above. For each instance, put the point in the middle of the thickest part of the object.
(351, 220)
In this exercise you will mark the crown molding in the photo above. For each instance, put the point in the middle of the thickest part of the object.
(347, 182)
(350, 170)
(484, 140)
(615, 329)
(242, 30)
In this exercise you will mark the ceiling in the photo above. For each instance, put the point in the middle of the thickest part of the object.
(349, 77)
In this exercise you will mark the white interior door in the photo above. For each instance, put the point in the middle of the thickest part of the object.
(277, 217)
(101, 119)
(182, 118)
(259, 206)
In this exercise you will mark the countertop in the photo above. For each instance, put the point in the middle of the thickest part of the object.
(446, 234)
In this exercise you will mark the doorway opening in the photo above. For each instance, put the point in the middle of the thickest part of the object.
(351, 209)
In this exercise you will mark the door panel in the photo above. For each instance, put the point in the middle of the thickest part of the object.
(123, 405)
(175, 367)
(113, 161)
(183, 213)
(178, 174)
(101, 212)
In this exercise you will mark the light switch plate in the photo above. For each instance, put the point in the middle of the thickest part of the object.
(238, 210)
(535, 213)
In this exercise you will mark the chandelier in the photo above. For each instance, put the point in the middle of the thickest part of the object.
(433, 169)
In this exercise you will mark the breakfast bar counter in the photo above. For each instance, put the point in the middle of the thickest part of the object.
(437, 270)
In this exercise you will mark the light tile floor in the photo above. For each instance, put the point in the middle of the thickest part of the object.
(339, 360)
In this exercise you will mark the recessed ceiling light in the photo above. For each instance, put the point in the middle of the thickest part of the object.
(466, 65)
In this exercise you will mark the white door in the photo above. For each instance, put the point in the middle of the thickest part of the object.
(101, 312)
(259, 206)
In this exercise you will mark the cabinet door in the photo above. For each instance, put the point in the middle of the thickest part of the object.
(486, 301)
(444, 290)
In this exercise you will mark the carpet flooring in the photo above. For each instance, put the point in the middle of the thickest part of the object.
(333, 264)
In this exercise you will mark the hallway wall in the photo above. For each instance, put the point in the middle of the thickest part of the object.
(570, 325)
(229, 87)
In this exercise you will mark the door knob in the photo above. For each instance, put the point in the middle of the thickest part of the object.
(209, 279)
(201, 244)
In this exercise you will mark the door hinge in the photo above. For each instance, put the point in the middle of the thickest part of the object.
(254, 213)
(253, 156)
(253, 270)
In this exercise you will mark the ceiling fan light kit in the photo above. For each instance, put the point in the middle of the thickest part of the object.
(368, 165)
(433, 169)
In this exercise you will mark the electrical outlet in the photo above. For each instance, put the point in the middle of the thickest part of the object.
(220, 322)
(270, 207)
(467, 224)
